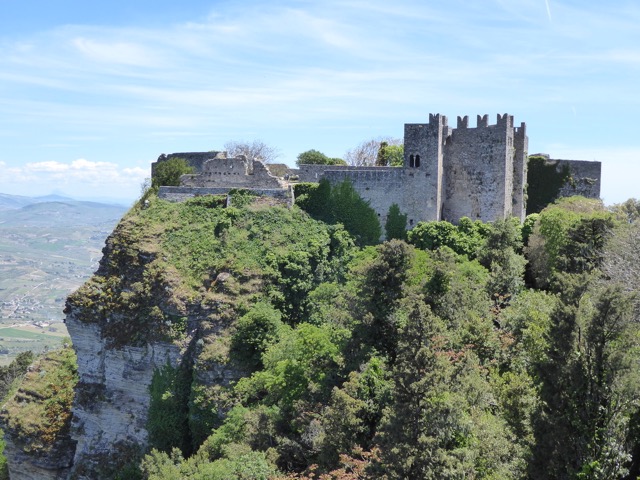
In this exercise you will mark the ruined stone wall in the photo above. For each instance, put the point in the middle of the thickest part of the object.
(232, 173)
(584, 179)
(180, 194)
(479, 170)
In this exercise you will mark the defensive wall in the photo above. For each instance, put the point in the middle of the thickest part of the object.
(584, 180)
(180, 194)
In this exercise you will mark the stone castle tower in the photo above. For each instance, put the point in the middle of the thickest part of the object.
(477, 172)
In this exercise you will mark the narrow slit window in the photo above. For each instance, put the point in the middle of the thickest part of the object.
(417, 161)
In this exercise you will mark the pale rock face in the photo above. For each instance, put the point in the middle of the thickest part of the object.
(23, 466)
(112, 396)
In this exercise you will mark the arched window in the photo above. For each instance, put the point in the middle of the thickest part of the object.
(417, 161)
(411, 162)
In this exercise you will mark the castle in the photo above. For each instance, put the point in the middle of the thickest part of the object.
(448, 173)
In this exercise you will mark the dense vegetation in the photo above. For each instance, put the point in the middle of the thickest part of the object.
(493, 351)
(430, 359)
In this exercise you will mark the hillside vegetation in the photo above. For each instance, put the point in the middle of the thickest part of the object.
(463, 352)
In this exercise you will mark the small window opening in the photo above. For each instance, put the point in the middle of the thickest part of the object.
(411, 162)
(417, 161)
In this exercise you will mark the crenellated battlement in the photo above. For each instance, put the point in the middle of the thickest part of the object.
(436, 119)
(482, 121)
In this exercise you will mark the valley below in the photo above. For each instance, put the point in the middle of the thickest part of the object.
(49, 247)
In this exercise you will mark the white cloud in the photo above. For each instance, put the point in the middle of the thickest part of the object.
(78, 178)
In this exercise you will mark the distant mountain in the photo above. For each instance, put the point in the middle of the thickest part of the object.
(53, 198)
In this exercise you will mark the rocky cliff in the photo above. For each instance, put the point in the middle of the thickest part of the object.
(133, 319)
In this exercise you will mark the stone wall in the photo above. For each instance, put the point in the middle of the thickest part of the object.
(585, 178)
(233, 173)
(314, 173)
(180, 194)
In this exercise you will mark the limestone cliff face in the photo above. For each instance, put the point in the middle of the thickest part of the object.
(54, 465)
(112, 396)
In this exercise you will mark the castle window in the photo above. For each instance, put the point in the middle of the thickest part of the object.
(417, 161)
(411, 162)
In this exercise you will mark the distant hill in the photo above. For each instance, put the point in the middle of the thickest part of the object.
(48, 247)
(11, 202)
(59, 213)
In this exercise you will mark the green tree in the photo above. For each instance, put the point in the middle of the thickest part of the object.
(341, 203)
(500, 256)
(358, 218)
(382, 288)
(168, 172)
(314, 157)
(590, 388)
(440, 423)
(465, 238)
(396, 225)
(351, 417)
(301, 365)
(628, 211)
(390, 155)
(255, 331)
(167, 421)
(551, 234)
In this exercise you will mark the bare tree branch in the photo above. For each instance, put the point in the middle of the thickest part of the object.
(254, 150)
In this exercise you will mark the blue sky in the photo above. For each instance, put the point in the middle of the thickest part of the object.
(92, 92)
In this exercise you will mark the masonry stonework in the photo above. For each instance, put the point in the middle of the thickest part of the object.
(448, 173)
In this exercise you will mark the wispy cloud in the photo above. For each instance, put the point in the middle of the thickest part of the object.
(126, 53)
(546, 2)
